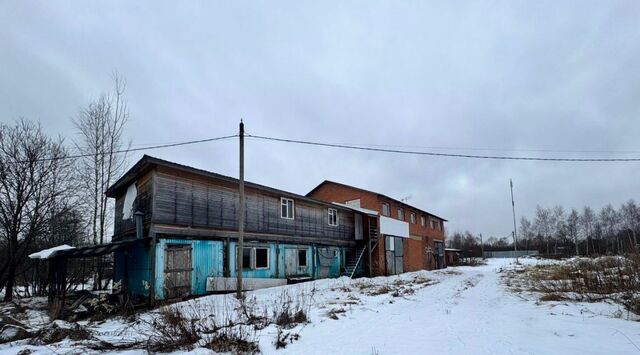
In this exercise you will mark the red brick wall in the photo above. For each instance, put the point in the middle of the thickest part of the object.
(415, 257)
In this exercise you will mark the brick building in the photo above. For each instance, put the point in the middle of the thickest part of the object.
(410, 238)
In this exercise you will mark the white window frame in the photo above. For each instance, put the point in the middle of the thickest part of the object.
(413, 218)
(284, 202)
(388, 209)
(401, 213)
(256, 258)
(423, 221)
(252, 258)
(335, 211)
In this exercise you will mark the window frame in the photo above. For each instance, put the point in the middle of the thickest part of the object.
(249, 265)
(413, 218)
(284, 202)
(255, 258)
(401, 213)
(423, 221)
(306, 258)
(386, 209)
(329, 219)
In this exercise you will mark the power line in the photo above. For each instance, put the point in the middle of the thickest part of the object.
(450, 155)
(493, 149)
(168, 145)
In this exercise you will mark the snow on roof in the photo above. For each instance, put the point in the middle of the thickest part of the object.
(51, 252)
(358, 209)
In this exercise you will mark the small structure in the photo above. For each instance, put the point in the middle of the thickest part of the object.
(453, 256)
(58, 257)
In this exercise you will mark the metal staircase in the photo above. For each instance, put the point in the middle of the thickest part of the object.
(358, 255)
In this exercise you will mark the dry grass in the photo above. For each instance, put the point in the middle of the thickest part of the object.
(471, 262)
(613, 278)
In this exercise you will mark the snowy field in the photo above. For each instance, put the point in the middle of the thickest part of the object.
(460, 310)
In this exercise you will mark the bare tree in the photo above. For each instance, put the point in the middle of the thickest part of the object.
(573, 221)
(608, 218)
(543, 225)
(587, 225)
(630, 220)
(34, 170)
(101, 126)
(526, 231)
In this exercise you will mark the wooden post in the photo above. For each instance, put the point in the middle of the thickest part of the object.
(152, 268)
(369, 242)
(240, 251)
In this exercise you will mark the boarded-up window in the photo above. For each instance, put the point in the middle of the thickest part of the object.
(302, 257)
(262, 258)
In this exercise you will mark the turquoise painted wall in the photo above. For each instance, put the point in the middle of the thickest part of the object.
(321, 261)
(208, 258)
(207, 261)
(139, 269)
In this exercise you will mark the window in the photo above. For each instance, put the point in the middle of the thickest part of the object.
(333, 217)
(423, 221)
(302, 257)
(413, 218)
(435, 224)
(246, 258)
(255, 258)
(262, 258)
(385, 209)
(401, 214)
(286, 208)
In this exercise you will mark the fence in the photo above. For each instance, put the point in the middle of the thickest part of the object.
(510, 253)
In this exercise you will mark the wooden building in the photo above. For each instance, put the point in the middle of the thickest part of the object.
(189, 217)
(413, 239)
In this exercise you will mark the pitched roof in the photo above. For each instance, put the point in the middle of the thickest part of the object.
(373, 192)
(146, 163)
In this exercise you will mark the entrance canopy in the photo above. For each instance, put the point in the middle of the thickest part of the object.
(89, 251)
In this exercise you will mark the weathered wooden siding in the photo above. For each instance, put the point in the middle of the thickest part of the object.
(142, 203)
(197, 203)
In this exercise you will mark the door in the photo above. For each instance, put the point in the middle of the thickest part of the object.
(296, 262)
(439, 255)
(394, 251)
(177, 271)
(358, 227)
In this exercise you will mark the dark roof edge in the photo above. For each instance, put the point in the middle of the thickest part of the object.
(373, 192)
(147, 160)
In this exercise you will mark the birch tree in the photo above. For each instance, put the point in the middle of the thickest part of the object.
(100, 128)
(572, 228)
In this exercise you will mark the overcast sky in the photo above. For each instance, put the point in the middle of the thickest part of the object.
(514, 77)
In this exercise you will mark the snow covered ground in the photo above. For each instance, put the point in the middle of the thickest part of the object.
(460, 310)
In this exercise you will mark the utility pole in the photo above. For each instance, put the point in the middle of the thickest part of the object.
(481, 247)
(240, 250)
(515, 229)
